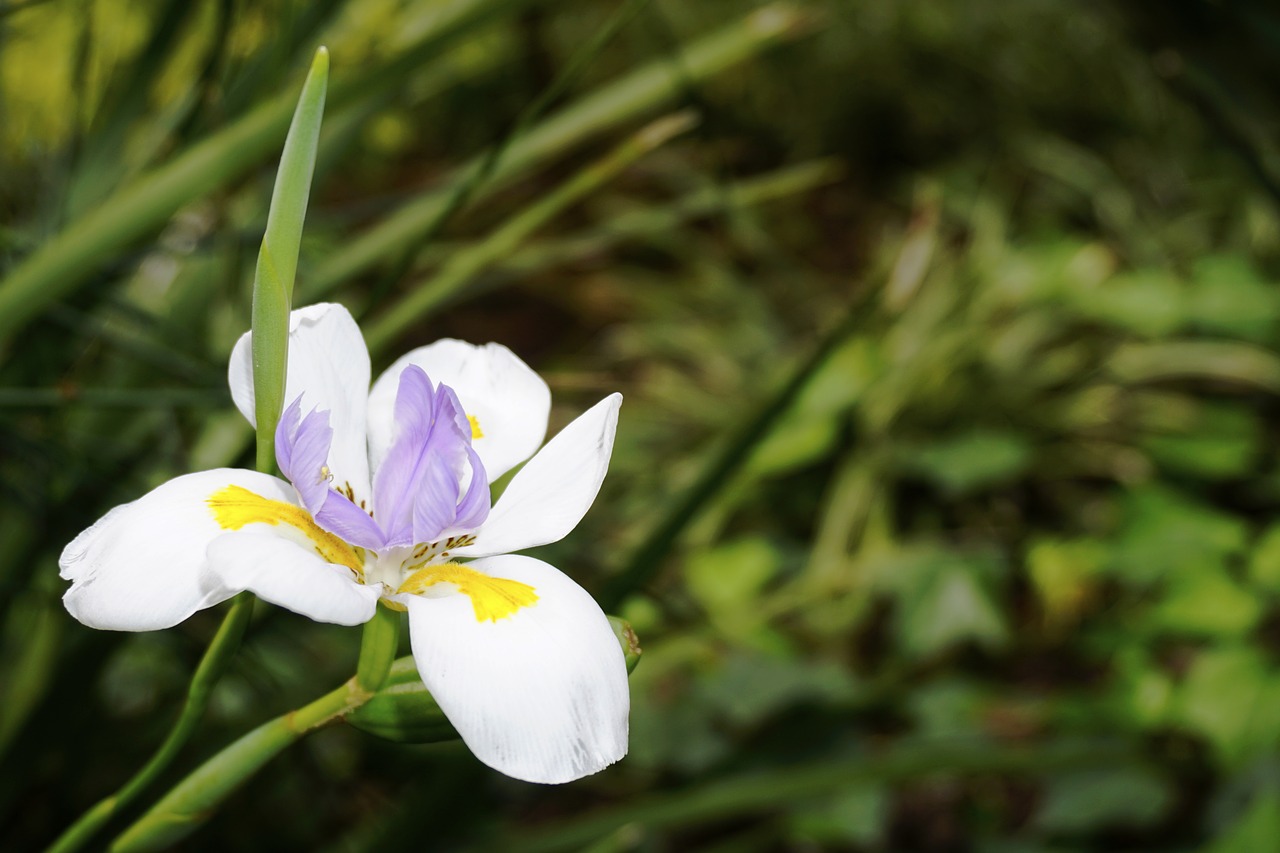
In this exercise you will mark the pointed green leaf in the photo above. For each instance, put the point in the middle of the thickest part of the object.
(278, 257)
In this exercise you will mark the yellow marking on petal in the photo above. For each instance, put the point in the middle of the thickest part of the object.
(475, 427)
(491, 598)
(234, 507)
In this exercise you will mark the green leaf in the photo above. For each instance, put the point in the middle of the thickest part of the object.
(1230, 697)
(1218, 441)
(1127, 797)
(954, 608)
(1228, 297)
(856, 815)
(1208, 602)
(278, 257)
(943, 599)
(1148, 302)
(1165, 534)
(1257, 830)
(1264, 565)
(970, 461)
(1064, 573)
(750, 688)
(727, 582)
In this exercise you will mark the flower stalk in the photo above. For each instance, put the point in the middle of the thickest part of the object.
(403, 711)
(193, 800)
(378, 645)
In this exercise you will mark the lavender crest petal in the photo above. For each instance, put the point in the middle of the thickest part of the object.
(394, 479)
(302, 452)
(348, 521)
(474, 507)
(285, 429)
(436, 499)
(449, 406)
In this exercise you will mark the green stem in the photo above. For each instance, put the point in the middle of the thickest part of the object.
(214, 663)
(378, 646)
(191, 802)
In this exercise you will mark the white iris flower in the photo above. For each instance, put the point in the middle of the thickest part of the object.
(388, 498)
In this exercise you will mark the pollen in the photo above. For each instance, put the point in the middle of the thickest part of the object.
(491, 598)
(235, 507)
(476, 432)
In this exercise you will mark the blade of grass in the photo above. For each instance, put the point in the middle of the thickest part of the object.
(782, 785)
(636, 94)
(650, 221)
(71, 258)
(119, 398)
(489, 161)
(465, 265)
(31, 653)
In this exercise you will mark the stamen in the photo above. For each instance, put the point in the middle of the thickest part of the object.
(476, 432)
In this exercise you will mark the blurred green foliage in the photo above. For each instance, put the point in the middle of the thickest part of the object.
(1001, 571)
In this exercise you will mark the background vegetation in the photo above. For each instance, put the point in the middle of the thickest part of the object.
(945, 494)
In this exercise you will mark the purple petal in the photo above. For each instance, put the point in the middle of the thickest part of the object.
(285, 429)
(348, 521)
(395, 478)
(474, 507)
(416, 488)
(436, 500)
(450, 407)
(302, 452)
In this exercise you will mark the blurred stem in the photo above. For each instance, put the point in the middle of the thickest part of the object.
(378, 646)
(32, 651)
(751, 794)
(647, 559)
(126, 398)
(648, 221)
(211, 668)
(195, 798)
(467, 263)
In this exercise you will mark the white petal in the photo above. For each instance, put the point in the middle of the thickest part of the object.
(510, 403)
(550, 495)
(329, 368)
(285, 573)
(540, 695)
(139, 567)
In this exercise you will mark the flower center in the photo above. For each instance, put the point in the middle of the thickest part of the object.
(431, 487)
